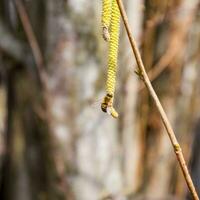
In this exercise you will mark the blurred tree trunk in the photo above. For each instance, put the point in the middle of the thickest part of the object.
(29, 168)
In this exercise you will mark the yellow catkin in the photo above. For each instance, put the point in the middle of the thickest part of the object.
(112, 60)
(113, 49)
(106, 17)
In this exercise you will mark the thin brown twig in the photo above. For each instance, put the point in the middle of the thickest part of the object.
(37, 53)
(168, 127)
(162, 64)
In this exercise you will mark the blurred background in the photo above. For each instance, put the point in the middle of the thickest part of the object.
(55, 142)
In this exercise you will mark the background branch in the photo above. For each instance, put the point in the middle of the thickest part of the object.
(145, 78)
(37, 53)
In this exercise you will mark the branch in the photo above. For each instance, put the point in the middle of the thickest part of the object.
(168, 127)
(37, 53)
(176, 42)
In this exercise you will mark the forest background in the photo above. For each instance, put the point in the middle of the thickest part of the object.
(55, 142)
